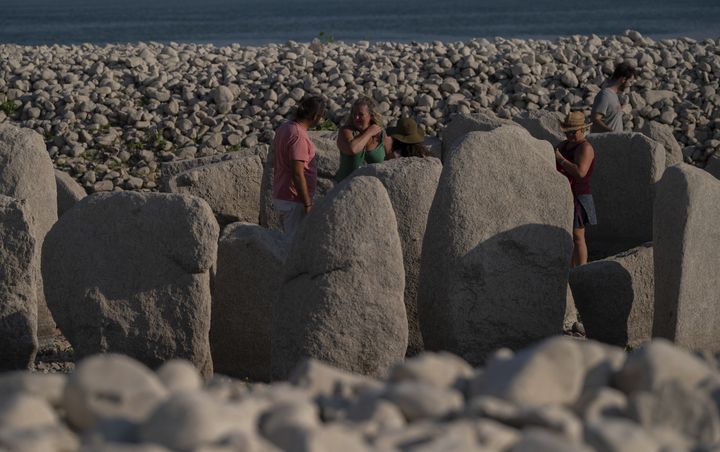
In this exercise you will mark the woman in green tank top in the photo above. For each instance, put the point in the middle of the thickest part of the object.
(362, 139)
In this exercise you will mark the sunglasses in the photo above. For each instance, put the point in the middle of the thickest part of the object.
(571, 132)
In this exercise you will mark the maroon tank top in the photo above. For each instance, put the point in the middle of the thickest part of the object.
(579, 186)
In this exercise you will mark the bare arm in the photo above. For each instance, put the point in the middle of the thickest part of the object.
(298, 178)
(351, 146)
(389, 154)
(597, 119)
(583, 158)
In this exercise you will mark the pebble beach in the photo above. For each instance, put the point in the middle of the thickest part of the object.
(110, 114)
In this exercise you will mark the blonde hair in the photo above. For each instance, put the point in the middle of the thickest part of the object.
(364, 101)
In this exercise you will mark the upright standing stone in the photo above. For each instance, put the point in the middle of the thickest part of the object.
(130, 273)
(627, 167)
(687, 254)
(68, 191)
(411, 185)
(230, 187)
(542, 124)
(460, 125)
(19, 274)
(26, 174)
(168, 170)
(496, 251)
(247, 281)
(342, 300)
(615, 297)
(712, 165)
(663, 134)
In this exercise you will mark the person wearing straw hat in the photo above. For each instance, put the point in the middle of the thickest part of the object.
(407, 139)
(575, 158)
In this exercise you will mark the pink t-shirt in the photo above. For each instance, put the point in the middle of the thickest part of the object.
(292, 142)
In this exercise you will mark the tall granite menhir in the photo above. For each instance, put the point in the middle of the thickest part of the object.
(627, 167)
(497, 248)
(411, 184)
(19, 272)
(342, 297)
(686, 254)
(248, 276)
(26, 174)
(130, 273)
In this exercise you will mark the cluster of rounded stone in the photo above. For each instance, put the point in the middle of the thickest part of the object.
(561, 394)
(111, 114)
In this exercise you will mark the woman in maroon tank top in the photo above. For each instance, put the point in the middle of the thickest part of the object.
(575, 158)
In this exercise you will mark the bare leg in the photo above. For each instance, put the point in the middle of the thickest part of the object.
(580, 253)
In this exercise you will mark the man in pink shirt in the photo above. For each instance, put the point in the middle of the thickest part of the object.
(294, 166)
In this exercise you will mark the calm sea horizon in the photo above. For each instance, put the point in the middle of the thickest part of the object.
(257, 22)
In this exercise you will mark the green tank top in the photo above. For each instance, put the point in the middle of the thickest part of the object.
(349, 163)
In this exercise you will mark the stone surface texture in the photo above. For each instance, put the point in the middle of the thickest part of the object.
(231, 188)
(542, 124)
(342, 297)
(489, 268)
(411, 185)
(616, 297)
(247, 281)
(627, 167)
(26, 174)
(663, 134)
(462, 124)
(68, 191)
(686, 247)
(19, 274)
(129, 273)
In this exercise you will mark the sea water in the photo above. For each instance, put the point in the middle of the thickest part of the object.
(254, 22)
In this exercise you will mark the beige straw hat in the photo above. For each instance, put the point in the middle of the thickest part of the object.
(573, 121)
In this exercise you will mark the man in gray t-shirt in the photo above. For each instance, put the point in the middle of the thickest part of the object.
(607, 114)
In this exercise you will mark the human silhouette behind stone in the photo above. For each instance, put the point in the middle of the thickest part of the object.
(407, 139)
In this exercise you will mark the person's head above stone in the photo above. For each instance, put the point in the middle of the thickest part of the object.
(573, 123)
(407, 139)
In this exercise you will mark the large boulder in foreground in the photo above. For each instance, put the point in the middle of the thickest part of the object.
(230, 187)
(411, 184)
(19, 274)
(663, 134)
(542, 124)
(497, 248)
(247, 281)
(615, 297)
(460, 125)
(342, 299)
(687, 255)
(26, 174)
(129, 273)
(327, 160)
(627, 167)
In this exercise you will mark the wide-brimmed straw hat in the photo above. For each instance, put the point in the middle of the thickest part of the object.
(575, 120)
(407, 131)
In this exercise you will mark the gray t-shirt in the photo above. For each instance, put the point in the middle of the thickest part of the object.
(608, 104)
